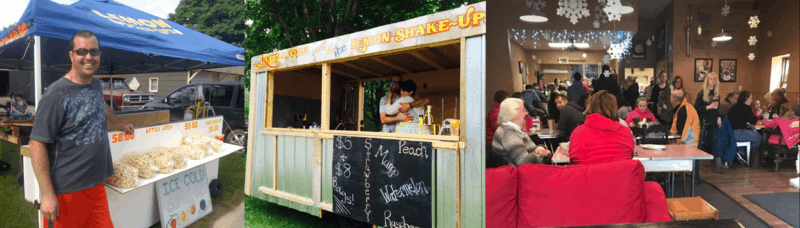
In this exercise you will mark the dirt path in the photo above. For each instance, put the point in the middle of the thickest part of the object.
(233, 218)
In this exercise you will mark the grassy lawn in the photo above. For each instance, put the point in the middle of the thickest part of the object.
(262, 214)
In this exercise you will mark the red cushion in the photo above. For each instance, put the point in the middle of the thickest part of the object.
(656, 201)
(606, 193)
(501, 196)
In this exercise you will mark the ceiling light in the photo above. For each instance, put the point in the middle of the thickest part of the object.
(722, 37)
(534, 16)
(564, 45)
(584, 55)
(621, 8)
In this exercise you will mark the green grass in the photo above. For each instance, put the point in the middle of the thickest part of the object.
(262, 214)
(16, 211)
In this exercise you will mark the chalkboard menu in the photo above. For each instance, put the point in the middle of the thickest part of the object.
(383, 181)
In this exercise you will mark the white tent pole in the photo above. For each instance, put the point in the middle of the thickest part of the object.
(37, 68)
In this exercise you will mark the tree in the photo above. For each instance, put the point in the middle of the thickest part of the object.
(221, 19)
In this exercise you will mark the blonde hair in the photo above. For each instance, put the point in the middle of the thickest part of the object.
(706, 98)
(508, 109)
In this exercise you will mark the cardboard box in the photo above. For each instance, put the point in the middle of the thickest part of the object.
(691, 208)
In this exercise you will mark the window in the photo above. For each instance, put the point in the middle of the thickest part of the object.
(784, 72)
(240, 97)
(219, 95)
(779, 72)
(185, 96)
(153, 85)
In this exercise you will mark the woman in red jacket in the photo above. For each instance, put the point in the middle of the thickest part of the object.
(601, 138)
(640, 112)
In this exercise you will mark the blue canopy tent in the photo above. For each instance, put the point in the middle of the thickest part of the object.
(131, 42)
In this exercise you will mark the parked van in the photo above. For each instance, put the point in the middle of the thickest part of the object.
(224, 98)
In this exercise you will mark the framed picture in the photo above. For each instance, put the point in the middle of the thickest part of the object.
(727, 70)
(521, 67)
(701, 68)
(639, 50)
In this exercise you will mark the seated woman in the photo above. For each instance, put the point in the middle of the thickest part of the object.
(601, 138)
(19, 108)
(408, 90)
(510, 141)
(740, 115)
(641, 112)
(784, 121)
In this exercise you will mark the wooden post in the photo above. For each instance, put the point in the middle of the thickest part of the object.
(316, 186)
(463, 130)
(191, 76)
(270, 100)
(248, 184)
(326, 97)
(360, 105)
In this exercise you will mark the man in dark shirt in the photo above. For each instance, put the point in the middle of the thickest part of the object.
(571, 115)
(576, 89)
(533, 102)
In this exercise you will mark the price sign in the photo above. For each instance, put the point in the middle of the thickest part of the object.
(184, 198)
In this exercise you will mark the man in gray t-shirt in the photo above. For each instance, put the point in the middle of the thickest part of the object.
(69, 141)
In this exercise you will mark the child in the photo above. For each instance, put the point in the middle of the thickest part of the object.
(408, 91)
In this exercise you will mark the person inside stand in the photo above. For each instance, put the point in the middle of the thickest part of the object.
(390, 122)
(707, 106)
(408, 90)
(510, 141)
(741, 115)
(571, 115)
(19, 108)
(655, 93)
(778, 98)
(601, 138)
(641, 114)
(70, 150)
(576, 89)
(667, 110)
(686, 122)
(533, 102)
(726, 105)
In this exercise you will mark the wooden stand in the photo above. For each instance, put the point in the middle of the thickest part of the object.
(691, 208)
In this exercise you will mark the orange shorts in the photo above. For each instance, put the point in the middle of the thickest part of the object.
(86, 208)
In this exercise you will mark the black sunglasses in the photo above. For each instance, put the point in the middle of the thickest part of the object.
(395, 82)
(83, 51)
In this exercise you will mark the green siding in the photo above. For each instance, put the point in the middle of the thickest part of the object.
(327, 172)
(446, 189)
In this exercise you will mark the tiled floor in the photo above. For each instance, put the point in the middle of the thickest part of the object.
(740, 180)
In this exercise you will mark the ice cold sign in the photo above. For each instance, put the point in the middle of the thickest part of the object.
(183, 198)
(383, 181)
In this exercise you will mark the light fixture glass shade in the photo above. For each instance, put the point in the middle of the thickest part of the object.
(564, 45)
(534, 16)
(622, 8)
(722, 37)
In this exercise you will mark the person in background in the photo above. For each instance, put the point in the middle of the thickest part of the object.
(707, 106)
(631, 92)
(601, 138)
(667, 110)
(783, 121)
(686, 121)
(491, 119)
(552, 108)
(19, 108)
(612, 85)
(655, 93)
(602, 80)
(571, 115)
(576, 89)
(517, 95)
(648, 91)
(726, 105)
(641, 113)
(777, 100)
(492, 160)
(511, 142)
(533, 102)
(740, 115)
(586, 84)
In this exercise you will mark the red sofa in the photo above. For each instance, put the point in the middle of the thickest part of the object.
(578, 195)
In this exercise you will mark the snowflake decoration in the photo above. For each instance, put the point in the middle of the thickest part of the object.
(612, 16)
(573, 9)
(534, 56)
(751, 56)
(754, 21)
(599, 14)
(649, 42)
(606, 40)
(752, 40)
(606, 59)
(769, 33)
(546, 35)
(596, 24)
(615, 51)
(536, 4)
(713, 43)
(726, 10)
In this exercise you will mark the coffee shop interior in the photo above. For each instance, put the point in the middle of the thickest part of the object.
(680, 112)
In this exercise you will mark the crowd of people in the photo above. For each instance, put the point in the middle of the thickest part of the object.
(599, 120)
